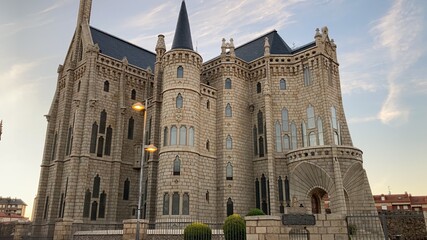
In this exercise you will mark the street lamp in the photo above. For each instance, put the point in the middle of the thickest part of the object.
(150, 148)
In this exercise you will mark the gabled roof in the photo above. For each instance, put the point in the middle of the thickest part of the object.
(182, 38)
(255, 48)
(118, 49)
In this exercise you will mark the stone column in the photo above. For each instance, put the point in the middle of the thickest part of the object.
(129, 229)
(63, 229)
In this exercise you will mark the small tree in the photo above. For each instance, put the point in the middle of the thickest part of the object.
(196, 231)
(255, 212)
(234, 228)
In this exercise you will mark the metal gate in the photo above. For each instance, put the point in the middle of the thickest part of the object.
(299, 234)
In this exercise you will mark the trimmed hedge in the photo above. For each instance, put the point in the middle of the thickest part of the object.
(255, 212)
(196, 231)
(234, 228)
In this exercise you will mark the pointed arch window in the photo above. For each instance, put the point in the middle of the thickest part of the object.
(126, 189)
(229, 171)
(166, 204)
(320, 131)
(229, 142)
(334, 118)
(165, 136)
(186, 204)
(131, 124)
(102, 204)
(175, 203)
(100, 146)
(191, 136)
(179, 101)
(183, 135)
(108, 140)
(257, 194)
(278, 137)
(106, 86)
(254, 132)
(96, 186)
(133, 94)
(311, 122)
(282, 84)
(264, 205)
(94, 211)
(103, 121)
(227, 83)
(228, 110)
(174, 135)
(285, 120)
(258, 87)
(177, 166)
(260, 122)
(261, 146)
(230, 207)
(180, 72)
(86, 205)
(312, 141)
(286, 142)
(304, 134)
(294, 136)
(307, 75)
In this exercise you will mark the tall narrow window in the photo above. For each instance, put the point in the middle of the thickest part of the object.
(258, 87)
(286, 142)
(86, 205)
(260, 122)
(106, 86)
(126, 189)
(94, 211)
(102, 204)
(108, 140)
(278, 137)
(264, 206)
(330, 74)
(93, 137)
(68, 148)
(307, 75)
(261, 146)
(207, 145)
(131, 123)
(228, 112)
(255, 136)
(174, 135)
(78, 86)
(175, 203)
(133, 94)
(257, 194)
(280, 185)
(282, 84)
(294, 136)
(185, 204)
(230, 207)
(334, 118)
(208, 105)
(177, 166)
(100, 146)
(166, 204)
(61, 202)
(312, 139)
(183, 135)
(320, 131)
(336, 138)
(180, 72)
(165, 136)
(52, 157)
(179, 101)
(227, 83)
(46, 207)
(304, 134)
(229, 171)
(311, 123)
(229, 142)
(191, 136)
(285, 120)
(103, 121)
(96, 186)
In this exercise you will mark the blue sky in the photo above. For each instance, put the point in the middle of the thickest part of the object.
(381, 51)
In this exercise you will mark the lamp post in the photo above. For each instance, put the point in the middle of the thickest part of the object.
(151, 148)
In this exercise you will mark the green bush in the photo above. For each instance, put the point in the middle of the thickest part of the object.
(234, 228)
(197, 231)
(255, 212)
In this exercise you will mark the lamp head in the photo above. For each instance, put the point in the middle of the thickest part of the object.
(138, 106)
(151, 148)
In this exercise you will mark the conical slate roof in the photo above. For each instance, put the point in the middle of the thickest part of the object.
(182, 38)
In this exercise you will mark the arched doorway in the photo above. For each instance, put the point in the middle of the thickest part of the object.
(319, 199)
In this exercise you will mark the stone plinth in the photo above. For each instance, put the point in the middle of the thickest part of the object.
(129, 229)
(63, 229)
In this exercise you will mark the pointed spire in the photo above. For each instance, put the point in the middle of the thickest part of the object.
(182, 37)
(84, 11)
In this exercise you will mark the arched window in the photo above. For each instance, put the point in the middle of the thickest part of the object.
(191, 136)
(282, 84)
(257, 194)
(286, 142)
(133, 94)
(165, 136)
(131, 123)
(102, 204)
(180, 72)
(179, 101)
(310, 117)
(166, 204)
(207, 145)
(183, 135)
(108, 140)
(227, 83)
(307, 75)
(261, 146)
(260, 122)
(229, 171)
(173, 135)
(106, 86)
(177, 166)
(304, 134)
(100, 146)
(258, 87)
(334, 118)
(229, 142)
(320, 131)
(285, 120)
(96, 186)
(126, 189)
(86, 205)
(103, 121)
(185, 204)
(175, 203)
(264, 199)
(228, 111)
(312, 139)
(94, 211)
(294, 136)
(278, 137)
(230, 207)
(255, 136)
